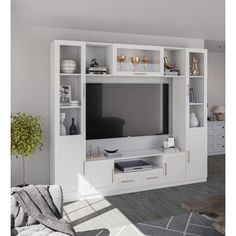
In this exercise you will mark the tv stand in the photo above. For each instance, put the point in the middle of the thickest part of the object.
(80, 176)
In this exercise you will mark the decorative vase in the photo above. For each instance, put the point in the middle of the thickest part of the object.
(62, 126)
(73, 129)
(68, 66)
(194, 122)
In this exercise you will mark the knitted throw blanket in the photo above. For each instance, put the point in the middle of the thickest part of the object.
(37, 202)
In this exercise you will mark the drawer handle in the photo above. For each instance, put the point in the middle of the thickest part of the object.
(154, 177)
(127, 181)
(223, 145)
(223, 136)
(223, 127)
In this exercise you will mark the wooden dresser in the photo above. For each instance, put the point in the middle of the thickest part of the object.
(216, 137)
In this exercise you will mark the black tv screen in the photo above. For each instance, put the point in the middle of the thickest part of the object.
(121, 110)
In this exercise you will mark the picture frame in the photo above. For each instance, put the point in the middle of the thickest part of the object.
(191, 95)
(65, 95)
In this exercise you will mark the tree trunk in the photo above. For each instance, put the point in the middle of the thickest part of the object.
(23, 158)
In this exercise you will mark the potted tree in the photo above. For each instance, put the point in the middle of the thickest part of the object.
(26, 136)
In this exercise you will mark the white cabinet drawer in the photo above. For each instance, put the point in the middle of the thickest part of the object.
(151, 177)
(125, 180)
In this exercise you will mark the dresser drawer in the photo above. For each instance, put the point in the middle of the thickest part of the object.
(219, 147)
(219, 138)
(219, 128)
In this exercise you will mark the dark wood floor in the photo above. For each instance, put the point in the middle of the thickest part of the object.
(160, 203)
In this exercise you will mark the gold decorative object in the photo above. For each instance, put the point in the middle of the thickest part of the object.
(194, 67)
(135, 60)
(121, 60)
(167, 64)
(146, 60)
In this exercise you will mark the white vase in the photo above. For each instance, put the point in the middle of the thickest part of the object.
(68, 66)
(194, 122)
(62, 126)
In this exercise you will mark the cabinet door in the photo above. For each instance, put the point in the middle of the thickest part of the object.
(174, 168)
(99, 174)
(197, 155)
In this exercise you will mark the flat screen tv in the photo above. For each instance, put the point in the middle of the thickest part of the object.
(122, 110)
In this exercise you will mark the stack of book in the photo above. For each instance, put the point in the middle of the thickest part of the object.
(172, 72)
(170, 149)
(112, 155)
(97, 70)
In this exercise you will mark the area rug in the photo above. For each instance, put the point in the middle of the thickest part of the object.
(190, 224)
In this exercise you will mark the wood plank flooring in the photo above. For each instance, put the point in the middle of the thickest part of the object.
(160, 203)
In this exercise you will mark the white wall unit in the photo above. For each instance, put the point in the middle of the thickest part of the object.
(216, 138)
(89, 176)
(67, 152)
(196, 167)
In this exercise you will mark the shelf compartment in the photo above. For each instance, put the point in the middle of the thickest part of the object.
(71, 53)
(75, 86)
(196, 91)
(153, 66)
(200, 57)
(71, 113)
(176, 57)
(101, 52)
(199, 112)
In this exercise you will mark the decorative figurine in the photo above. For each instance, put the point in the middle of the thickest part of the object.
(167, 64)
(194, 67)
(94, 63)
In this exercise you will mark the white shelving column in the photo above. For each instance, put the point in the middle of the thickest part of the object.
(196, 168)
(67, 152)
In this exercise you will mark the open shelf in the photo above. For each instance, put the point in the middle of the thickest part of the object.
(101, 52)
(196, 103)
(71, 53)
(69, 114)
(71, 107)
(175, 57)
(148, 60)
(200, 57)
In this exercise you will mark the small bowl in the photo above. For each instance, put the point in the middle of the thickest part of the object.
(111, 151)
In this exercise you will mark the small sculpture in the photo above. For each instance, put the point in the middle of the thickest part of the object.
(194, 67)
(94, 63)
(167, 64)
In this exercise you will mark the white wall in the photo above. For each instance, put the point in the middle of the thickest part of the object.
(30, 79)
(216, 80)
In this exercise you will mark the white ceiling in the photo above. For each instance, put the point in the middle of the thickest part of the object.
(176, 18)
